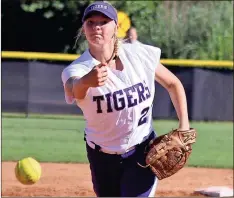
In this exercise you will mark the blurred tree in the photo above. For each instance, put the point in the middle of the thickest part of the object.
(182, 29)
(51, 26)
(191, 29)
(41, 25)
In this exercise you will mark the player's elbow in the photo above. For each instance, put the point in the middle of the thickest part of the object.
(175, 85)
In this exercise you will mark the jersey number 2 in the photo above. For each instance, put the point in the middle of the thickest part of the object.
(143, 118)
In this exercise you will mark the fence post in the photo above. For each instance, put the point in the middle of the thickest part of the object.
(28, 91)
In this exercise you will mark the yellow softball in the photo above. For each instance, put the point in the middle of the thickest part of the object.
(28, 171)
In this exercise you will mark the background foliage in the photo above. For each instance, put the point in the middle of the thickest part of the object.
(182, 29)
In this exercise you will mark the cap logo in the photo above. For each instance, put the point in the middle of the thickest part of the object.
(98, 6)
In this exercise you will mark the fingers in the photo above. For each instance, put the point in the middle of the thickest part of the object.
(104, 73)
(102, 70)
(102, 78)
(102, 65)
(100, 75)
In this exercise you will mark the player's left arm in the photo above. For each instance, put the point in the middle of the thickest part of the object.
(177, 93)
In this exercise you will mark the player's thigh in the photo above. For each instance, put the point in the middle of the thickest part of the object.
(137, 181)
(105, 173)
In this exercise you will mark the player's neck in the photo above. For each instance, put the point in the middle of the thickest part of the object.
(103, 54)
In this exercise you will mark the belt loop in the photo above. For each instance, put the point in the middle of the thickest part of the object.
(97, 147)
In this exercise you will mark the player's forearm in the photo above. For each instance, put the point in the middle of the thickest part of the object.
(178, 97)
(80, 88)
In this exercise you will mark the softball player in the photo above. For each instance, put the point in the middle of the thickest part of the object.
(114, 87)
(132, 36)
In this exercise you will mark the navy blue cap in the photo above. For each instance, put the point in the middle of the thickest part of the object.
(102, 7)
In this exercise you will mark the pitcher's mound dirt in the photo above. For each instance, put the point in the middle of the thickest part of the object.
(69, 180)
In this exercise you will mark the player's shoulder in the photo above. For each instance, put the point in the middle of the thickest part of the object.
(81, 61)
(141, 49)
(79, 67)
(138, 46)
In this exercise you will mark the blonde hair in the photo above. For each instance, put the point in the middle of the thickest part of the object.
(79, 33)
(116, 48)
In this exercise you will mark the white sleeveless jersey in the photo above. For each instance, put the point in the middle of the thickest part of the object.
(119, 114)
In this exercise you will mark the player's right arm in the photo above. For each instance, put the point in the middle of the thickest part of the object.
(77, 87)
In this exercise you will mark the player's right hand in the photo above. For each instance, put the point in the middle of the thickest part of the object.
(98, 75)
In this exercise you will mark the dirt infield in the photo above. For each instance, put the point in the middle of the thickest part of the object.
(74, 180)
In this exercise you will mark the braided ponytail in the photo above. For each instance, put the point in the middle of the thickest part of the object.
(116, 48)
(80, 33)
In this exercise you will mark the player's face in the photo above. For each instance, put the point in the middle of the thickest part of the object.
(99, 29)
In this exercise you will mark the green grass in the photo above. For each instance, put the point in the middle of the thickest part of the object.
(58, 138)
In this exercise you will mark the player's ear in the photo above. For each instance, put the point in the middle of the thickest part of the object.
(116, 29)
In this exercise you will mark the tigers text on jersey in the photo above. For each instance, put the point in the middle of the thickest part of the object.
(119, 114)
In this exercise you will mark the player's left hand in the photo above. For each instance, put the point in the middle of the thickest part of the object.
(169, 153)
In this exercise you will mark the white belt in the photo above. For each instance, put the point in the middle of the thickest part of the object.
(92, 145)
